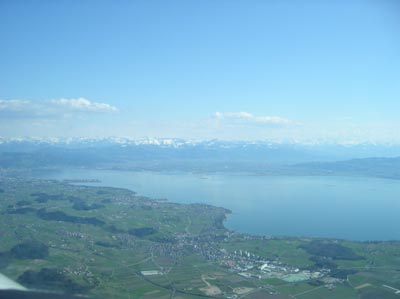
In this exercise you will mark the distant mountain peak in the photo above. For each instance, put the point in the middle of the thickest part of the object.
(179, 142)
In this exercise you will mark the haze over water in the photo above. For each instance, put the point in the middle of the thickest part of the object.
(335, 207)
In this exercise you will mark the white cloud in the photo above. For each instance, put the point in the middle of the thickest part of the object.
(52, 108)
(248, 118)
(13, 105)
(82, 104)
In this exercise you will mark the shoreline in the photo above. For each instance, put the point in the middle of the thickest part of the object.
(228, 212)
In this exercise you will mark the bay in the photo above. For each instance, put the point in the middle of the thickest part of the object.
(352, 208)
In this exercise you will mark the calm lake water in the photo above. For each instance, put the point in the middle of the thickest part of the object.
(337, 207)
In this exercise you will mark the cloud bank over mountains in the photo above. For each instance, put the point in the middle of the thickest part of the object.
(81, 117)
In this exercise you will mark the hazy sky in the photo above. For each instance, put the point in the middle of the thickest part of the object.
(204, 69)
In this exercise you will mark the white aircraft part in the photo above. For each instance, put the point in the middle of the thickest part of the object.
(8, 284)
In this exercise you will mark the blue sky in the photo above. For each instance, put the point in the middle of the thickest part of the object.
(272, 69)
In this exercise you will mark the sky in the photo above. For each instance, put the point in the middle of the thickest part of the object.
(252, 70)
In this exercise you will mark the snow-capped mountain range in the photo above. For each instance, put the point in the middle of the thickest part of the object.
(289, 151)
(179, 142)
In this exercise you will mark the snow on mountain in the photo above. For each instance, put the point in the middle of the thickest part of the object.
(289, 150)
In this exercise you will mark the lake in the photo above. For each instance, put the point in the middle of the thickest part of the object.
(334, 207)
